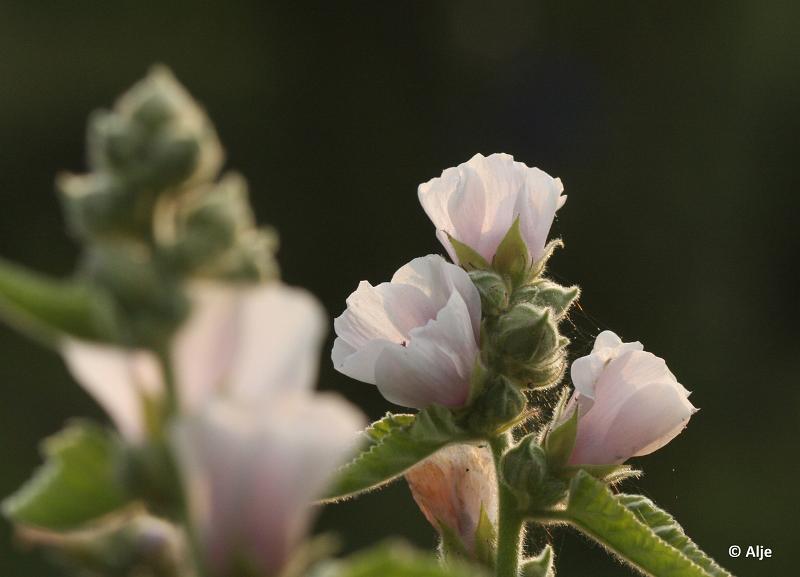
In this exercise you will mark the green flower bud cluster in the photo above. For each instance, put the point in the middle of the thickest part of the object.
(152, 213)
(521, 311)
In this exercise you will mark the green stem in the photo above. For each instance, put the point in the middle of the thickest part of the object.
(510, 521)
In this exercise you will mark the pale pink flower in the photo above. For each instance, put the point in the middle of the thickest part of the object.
(254, 445)
(477, 202)
(415, 337)
(252, 469)
(452, 486)
(243, 342)
(629, 403)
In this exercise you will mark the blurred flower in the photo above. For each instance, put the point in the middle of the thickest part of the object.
(629, 404)
(242, 342)
(251, 470)
(415, 337)
(477, 202)
(453, 486)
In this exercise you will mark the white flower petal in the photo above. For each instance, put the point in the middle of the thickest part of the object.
(416, 337)
(282, 331)
(118, 379)
(435, 366)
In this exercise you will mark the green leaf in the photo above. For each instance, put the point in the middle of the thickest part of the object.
(395, 444)
(396, 560)
(468, 258)
(659, 549)
(78, 482)
(512, 258)
(540, 566)
(45, 307)
(664, 525)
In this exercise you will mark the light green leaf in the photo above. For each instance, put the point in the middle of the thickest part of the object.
(664, 525)
(78, 482)
(396, 560)
(540, 566)
(659, 549)
(468, 258)
(45, 307)
(395, 444)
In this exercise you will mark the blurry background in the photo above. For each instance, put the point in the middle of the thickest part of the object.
(673, 126)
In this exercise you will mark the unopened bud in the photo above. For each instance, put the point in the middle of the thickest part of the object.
(526, 473)
(546, 293)
(527, 333)
(493, 290)
(454, 488)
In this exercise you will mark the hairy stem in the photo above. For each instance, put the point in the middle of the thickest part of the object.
(510, 521)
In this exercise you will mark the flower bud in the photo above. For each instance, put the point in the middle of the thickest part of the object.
(545, 293)
(629, 404)
(526, 472)
(493, 290)
(499, 407)
(212, 233)
(454, 488)
(155, 140)
(527, 333)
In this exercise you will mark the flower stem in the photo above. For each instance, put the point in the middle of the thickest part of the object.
(510, 521)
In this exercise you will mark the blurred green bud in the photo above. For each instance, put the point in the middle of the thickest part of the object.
(157, 128)
(525, 471)
(211, 232)
(493, 290)
(527, 333)
(148, 301)
(545, 293)
(500, 407)
(129, 544)
(96, 204)
(156, 140)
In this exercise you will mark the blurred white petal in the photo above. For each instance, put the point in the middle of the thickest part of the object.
(252, 341)
(118, 379)
(251, 471)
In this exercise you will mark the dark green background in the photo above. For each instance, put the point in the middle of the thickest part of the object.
(673, 125)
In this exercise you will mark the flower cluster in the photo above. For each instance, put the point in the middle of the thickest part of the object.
(442, 333)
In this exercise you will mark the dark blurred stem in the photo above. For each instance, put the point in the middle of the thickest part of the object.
(509, 520)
